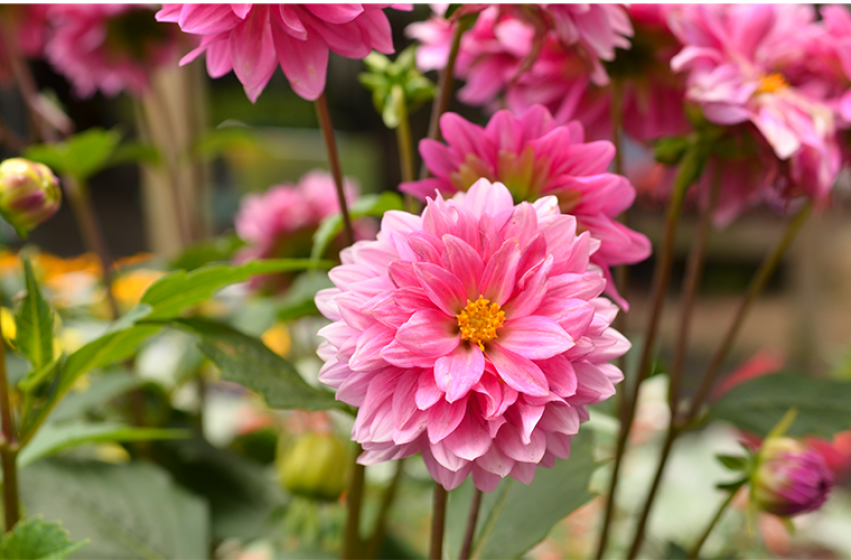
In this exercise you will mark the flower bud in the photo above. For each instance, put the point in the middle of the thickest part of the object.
(790, 478)
(29, 193)
(314, 465)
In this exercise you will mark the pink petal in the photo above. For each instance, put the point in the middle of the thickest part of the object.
(464, 263)
(219, 58)
(470, 440)
(534, 337)
(560, 375)
(288, 19)
(399, 356)
(304, 62)
(241, 10)
(207, 19)
(484, 198)
(532, 293)
(253, 52)
(518, 372)
(376, 31)
(509, 442)
(496, 462)
(335, 13)
(456, 373)
(485, 481)
(345, 39)
(429, 333)
(560, 418)
(444, 417)
(498, 277)
(444, 289)
(427, 391)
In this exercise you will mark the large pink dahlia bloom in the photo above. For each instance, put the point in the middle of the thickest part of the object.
(107, 47)
(253, 39)
(744, 67)
(534, 157)
(472, 334)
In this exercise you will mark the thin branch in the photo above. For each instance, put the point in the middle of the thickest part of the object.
(324, 117)
(438, 522)
(472, 520)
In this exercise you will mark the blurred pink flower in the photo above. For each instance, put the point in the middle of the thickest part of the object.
(743, 64)
(472, 334)
(253, 39)
(25, 26)
(106, 47)
(269, 221)
(507, 41)
(535, 157)
(791, 477)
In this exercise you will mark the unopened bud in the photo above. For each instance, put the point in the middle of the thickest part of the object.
(314, 465)
(29, 194)
(790, 477)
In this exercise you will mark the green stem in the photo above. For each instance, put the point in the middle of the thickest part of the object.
(405, 142)
(694, 271)
(324, 117)
(386, 504)
(472, 520)
(661, 277)
(354, 502)
(758, 282)
(9, 448)
(438, 522)
(81, 203)
(695, 551)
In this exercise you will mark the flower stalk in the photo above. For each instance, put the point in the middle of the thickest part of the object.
(8, 449)
(354, 501)
(695, 551)
(475, 505)
(386, 504)
(405, 142)
(444, 87)
(324, 116)
(661, 278)
(438, 522)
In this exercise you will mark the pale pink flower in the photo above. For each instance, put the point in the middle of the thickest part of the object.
(534, 157)
(743, 64)
(269, 221)
(253, 39)
(472, 334)
(107, 47)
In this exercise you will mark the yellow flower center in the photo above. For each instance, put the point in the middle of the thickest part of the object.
(772, 83)
(479, 320)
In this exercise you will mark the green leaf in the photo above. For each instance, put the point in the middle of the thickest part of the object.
(515, 517)
(218, 249)
(758, 404)
(103, 389)
(243, 495)
(179, 290)
(35, 323)
(733, 462)
(369, 205)
(675, 552)
(134, 152)
(82, 155)
(300, 300)
(246, 360)
(109, 348)
(36, 377)
(132, 510)
(36, 539)
(54, 437)
(732, 486)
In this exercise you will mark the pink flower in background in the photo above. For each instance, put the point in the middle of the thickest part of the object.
(791, 477)
(508, 41)
(253, 39)
(28, 26)
(106, 47)
(472, 334)
(743, 64)
(268, 221)
(534, 157)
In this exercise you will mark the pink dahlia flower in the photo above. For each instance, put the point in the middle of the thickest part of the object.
(472, 334)
(107, 47)
(268, 221)
(563, 42)
(534, 157)
(743, 64)
(253, 39)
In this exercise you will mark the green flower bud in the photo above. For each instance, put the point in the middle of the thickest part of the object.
(29, 194)
(314, 465)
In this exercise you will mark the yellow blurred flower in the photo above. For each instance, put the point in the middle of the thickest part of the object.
(129, 288)
(9, 263)
(49, 266)
(111, 452)
(132, 260)
(8, 326)
(277, 339)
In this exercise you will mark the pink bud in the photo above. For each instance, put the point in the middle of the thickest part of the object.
(790, 478)
(29, 193)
